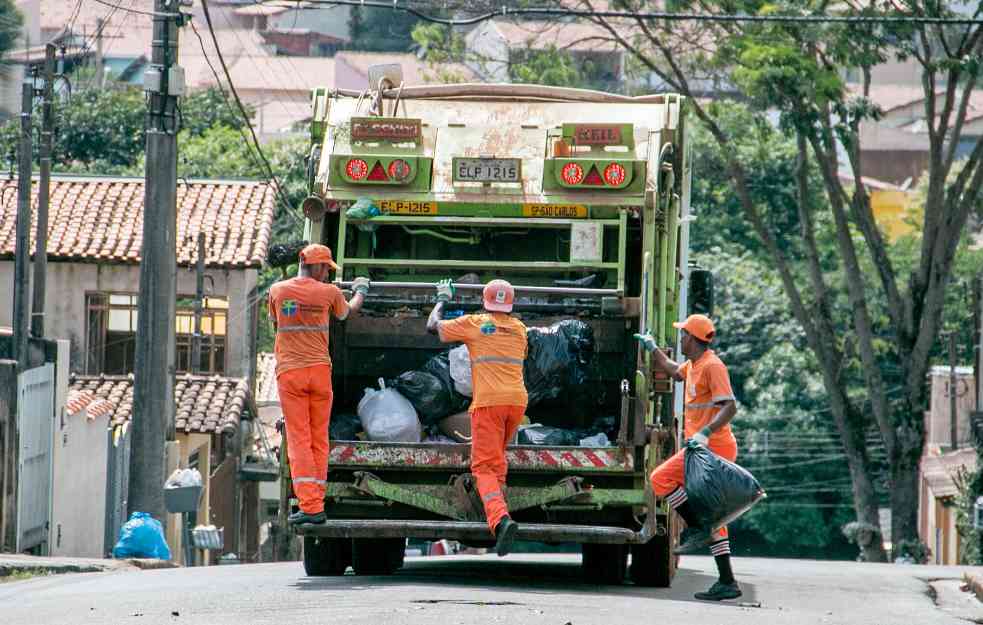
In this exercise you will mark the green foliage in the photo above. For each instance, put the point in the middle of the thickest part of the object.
(11, 21)
(548, 66)
(381, 30)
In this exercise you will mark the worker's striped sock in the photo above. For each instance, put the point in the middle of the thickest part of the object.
(721, 555)
(677, 497)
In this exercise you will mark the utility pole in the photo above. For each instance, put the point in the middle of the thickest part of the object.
(44, 193)
(22, 252)
(153, 381)
(199, 305)
(953, 421)
(100, 73)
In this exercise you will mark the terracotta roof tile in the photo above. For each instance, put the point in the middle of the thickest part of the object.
(266, 389)
(940, 471)
(206, 405)
(101, 219)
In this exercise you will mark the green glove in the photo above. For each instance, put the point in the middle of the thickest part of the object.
(647, 341)
(445, 290)
(360, 286)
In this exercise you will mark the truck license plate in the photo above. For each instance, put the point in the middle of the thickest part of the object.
(487, 170)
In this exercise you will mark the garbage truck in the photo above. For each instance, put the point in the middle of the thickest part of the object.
(579, 199)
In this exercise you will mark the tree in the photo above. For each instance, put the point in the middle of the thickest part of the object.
(381, 30)
(797, 69)
(11, 22)
(101, 131)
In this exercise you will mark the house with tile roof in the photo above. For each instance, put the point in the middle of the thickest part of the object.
(95, 229)
(212, 431)
(945, 461)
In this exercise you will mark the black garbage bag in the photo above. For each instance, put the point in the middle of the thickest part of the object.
(344, 427)
(549, 436)
(718, 491)
(431, 390)
(559, 359)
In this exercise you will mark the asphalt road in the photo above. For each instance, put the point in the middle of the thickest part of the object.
(473, 590)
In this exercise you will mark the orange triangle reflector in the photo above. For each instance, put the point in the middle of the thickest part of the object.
(593, 178)
(378, 173)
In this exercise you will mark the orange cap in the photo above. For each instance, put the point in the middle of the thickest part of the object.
(315, 254)
(698, 326)
(498, 296)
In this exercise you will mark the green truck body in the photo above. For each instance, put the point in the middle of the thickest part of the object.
(584, 217)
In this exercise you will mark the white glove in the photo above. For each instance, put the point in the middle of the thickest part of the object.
(445, 291)
(361, 286)
(702, 437)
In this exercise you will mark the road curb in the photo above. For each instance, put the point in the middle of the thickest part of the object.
(11, 564)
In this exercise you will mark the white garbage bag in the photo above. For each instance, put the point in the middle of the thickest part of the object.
(388, 417)
(461, 370)
(182, 478)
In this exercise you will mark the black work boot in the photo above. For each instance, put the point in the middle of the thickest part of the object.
(302, 518)
(720, 592)
(504, 535)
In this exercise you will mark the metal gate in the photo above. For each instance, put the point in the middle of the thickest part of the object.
(117, 483)
(35, 419)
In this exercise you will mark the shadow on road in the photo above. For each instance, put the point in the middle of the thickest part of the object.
(519, 577)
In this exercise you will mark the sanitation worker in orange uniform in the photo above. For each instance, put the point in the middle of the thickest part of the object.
(710, 407)
(301, 309)
(497, 345)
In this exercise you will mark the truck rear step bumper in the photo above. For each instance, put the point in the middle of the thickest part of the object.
(464, 530)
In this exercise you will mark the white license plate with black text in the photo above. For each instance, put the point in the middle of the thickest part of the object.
(487, 169)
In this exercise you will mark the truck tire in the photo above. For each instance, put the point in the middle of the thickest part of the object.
(378, 556)
(652, 564)
(325, 557)
(604, 564)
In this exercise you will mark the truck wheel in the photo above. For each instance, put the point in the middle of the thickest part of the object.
(325, 557)
(653, 564)
(604, 564)
(378, 556)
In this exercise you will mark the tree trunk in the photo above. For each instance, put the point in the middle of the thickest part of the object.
(904, 501)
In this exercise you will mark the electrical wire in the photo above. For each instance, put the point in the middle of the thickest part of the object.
(137, 11)
(505, 11)
(242, 109)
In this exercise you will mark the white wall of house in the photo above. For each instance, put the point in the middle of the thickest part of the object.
(69, 282)
(491, 50)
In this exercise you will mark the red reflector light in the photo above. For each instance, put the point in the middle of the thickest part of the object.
(572, 173)
(378, 174)
(357, 169)
(593, 178)
(614, 174)
(399, 169)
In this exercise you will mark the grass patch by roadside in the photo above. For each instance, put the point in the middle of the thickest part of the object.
(20, 575)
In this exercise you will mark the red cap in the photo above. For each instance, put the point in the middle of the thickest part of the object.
(498, 296)
(698, 326)
(315, 254)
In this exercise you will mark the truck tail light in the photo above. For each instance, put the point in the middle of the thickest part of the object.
(593, 178)
(357, 169)
(399, 169)
(378, 174)
(614, 174)
(572, 173)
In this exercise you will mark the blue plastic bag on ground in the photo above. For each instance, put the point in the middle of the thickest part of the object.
(718, 491)
(142, 537)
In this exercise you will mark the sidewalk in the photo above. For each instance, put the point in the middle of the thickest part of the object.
(12, 563)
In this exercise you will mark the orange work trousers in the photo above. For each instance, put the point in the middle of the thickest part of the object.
(492, 427)
(671, 474)
(305, 397)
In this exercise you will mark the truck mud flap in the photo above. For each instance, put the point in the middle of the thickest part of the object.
(465, 530)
